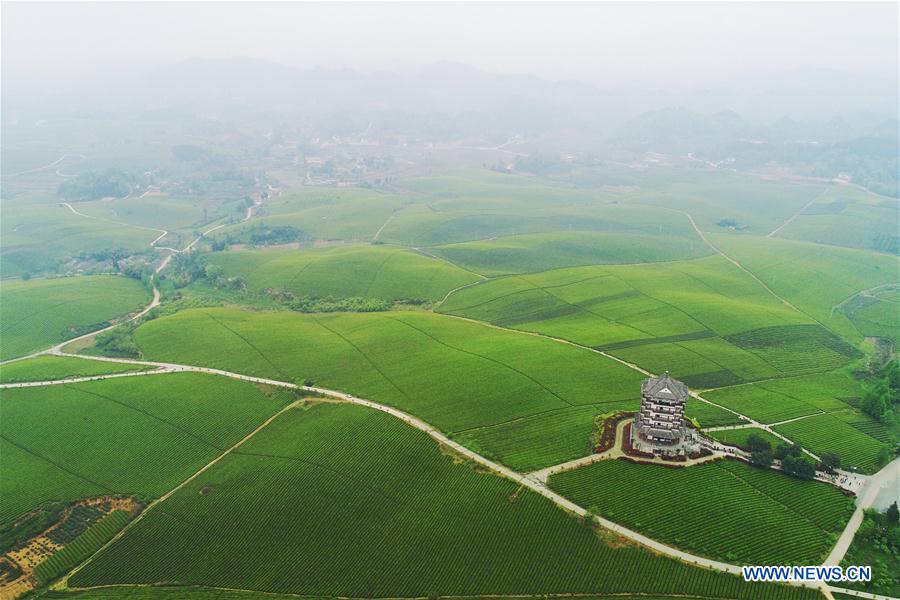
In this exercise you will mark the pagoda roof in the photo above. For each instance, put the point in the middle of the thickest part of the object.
(664, 387)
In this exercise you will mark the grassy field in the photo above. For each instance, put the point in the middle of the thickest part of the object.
(543, 251)
(725, 509)
(876, 314)
(703, 320)
(368, 271)
(43, 368)
(37, 237)
(477, 205)
(327, 213)
(161, 212)
(847, 216)
(123, 436)
(336, 500)
(814, 277)
(41, 312)
(454, 374)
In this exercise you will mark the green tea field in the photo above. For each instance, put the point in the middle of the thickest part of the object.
(724, 509)
(332, 487)
(42, 312)
(703, 320)
(136, 436)
(366, 271)
(487, 377)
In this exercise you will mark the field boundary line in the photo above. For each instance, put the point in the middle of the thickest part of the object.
(799, 212)
(175, 426)
(489, 359)
(365, 356)
(63, 583)
(59, 466)
(448, 261)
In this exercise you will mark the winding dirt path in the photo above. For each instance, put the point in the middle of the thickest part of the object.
(47, 166)
(790, 219)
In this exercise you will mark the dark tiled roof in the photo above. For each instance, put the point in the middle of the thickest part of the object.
(664, 387)
(664, 434)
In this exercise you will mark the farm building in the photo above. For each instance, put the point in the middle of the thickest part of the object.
(659, 426)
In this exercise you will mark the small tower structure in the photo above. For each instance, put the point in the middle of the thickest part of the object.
(659, 426)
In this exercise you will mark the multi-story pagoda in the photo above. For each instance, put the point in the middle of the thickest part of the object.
(659, 426)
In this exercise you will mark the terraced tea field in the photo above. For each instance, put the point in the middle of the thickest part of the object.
(83, 546)
(334, 500)
(738, 437)
(814, 277)
(42, 368)
(824, 404)
(830, 433)
(367, 271)
(875, 314)
(42, 312)
(119, 436)
(705, 321)
(452, 373)
(543, 251)
(847, 216)
(723, 509)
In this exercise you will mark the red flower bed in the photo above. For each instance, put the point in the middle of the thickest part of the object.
(607, 436)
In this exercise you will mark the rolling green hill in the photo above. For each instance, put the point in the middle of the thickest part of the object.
(367, 271)
(543, 251)
(704, 320)
(454, 374)
(42, 312)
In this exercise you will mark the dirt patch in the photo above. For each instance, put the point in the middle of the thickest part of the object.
(17, 575)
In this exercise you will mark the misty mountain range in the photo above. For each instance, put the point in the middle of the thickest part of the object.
(799, 118)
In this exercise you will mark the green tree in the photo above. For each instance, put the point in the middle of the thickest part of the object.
(756, 442)
(892, 513)
(762, 458)
(830, 462)
(799, 467)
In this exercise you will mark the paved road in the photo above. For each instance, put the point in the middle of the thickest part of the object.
(888, 477)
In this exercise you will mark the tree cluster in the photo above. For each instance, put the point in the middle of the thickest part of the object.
(93, 185)
(882, 397)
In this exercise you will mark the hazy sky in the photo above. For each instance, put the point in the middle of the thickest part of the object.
(51, 45)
